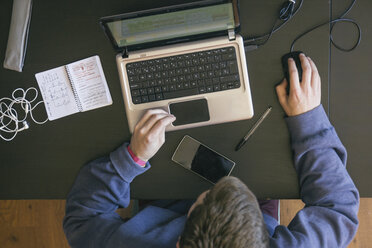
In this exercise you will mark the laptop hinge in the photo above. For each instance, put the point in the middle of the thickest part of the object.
(125, 53)
(231, 33)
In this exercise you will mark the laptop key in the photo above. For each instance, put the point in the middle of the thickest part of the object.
(233, 69)
(143, 92)
(152, 98)
(217, 73)
(135, 86)
(231, 63)
(228, 56)
(157, 89)
(135, 93)
(225, 72)
(137, 100)
(150, 90)
(180, 93)
(226, 79)
(159, 96)
(201, 82)
(133, 78)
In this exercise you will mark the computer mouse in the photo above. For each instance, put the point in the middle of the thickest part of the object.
(296, 56)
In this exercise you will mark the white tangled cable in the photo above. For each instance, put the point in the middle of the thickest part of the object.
(11, 112)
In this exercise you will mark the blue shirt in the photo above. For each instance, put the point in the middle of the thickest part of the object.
(329, 218)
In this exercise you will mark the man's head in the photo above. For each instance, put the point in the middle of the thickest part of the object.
(226, 216)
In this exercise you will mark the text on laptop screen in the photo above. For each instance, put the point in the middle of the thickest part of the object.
(183, 23)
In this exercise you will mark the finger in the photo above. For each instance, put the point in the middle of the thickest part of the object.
(147, 115)
(315, 78)
(306, 71)
(159, 127)
(281, 91)
(293, 75)
(152, 120)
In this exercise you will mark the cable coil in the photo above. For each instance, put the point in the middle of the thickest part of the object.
(11, 112)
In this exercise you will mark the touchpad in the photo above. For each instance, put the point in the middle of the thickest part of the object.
(189, 112)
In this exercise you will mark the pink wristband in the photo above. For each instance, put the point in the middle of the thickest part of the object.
(138, 161)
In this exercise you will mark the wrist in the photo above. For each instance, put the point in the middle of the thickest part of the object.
(135, 158)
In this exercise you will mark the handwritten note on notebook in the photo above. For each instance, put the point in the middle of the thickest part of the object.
(76, 87)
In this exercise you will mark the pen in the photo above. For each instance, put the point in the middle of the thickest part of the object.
(253, 129)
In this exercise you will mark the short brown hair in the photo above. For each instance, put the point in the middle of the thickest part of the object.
(229, 217)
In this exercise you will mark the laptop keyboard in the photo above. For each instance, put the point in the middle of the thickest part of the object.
(183, 75)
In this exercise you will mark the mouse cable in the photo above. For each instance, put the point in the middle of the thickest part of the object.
(333, 23)
(286, 12)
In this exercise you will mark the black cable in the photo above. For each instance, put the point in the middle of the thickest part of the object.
(287, 11)
(269, 36)
(332, 23)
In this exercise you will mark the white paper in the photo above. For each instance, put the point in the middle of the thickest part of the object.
(57, 93)
(89, 83)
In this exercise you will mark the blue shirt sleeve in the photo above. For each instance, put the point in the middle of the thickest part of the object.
(100, 188)
(329, 218)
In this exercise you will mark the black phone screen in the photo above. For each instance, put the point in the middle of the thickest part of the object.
(203, 161)
(210, 165)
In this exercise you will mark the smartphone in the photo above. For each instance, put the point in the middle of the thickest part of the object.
(202, 160)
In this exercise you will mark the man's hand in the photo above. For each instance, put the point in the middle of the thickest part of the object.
(149, 133)
(303, 96)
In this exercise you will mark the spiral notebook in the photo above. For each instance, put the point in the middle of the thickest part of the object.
(76, 87)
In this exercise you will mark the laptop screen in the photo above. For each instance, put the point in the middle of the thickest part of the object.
(128, 32)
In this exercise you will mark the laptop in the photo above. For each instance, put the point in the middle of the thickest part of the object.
(187, 59)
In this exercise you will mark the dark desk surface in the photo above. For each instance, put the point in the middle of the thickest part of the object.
(43, 161)
(351, 93)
